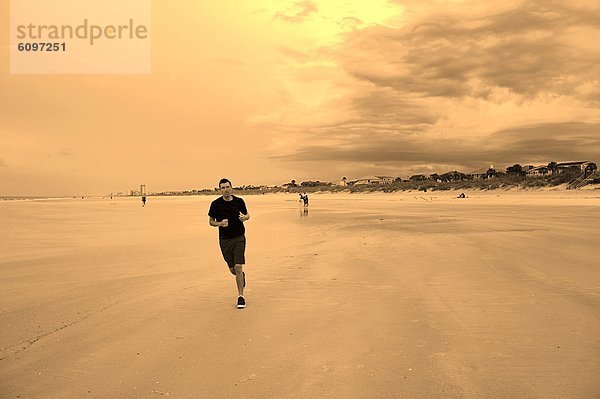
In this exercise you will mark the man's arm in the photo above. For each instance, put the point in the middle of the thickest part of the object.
(213, 222)
(244, 217)
(244, 214)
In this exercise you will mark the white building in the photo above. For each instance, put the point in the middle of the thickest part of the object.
(375, 180)
(538, 171)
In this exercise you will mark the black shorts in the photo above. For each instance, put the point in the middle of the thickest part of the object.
(233, 250)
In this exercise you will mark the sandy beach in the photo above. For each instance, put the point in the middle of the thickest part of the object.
(403, 295)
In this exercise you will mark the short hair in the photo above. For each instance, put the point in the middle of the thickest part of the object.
(224, 180)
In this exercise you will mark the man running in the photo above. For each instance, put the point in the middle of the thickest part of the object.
(229, 213)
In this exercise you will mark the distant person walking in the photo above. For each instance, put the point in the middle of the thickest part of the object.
(143, 200)
(305, 199)
(229, 213)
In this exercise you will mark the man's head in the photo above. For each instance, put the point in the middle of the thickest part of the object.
(225, 187)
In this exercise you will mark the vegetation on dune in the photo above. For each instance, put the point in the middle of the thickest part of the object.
(454, 181)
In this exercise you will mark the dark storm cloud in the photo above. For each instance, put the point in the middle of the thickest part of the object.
(386, 107)
(400, 150)
(550, 141)
(534, 47)
(537, 144)
(376, 116)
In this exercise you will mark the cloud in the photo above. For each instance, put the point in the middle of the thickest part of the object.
(534, 47)
(376, 115)
(538, 144)
(298, 12)
(457, 89)
(567, 141)
(388, 110)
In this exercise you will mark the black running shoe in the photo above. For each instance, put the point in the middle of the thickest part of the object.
(241, 303)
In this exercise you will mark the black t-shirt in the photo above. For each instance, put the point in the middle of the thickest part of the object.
(221, 209)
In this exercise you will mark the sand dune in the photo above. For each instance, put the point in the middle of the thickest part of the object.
(414, 295)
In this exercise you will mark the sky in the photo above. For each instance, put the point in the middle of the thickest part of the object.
(268, 91)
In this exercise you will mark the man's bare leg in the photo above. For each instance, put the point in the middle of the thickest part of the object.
(239, 279)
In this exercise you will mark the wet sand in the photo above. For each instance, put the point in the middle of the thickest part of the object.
(415, 295)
